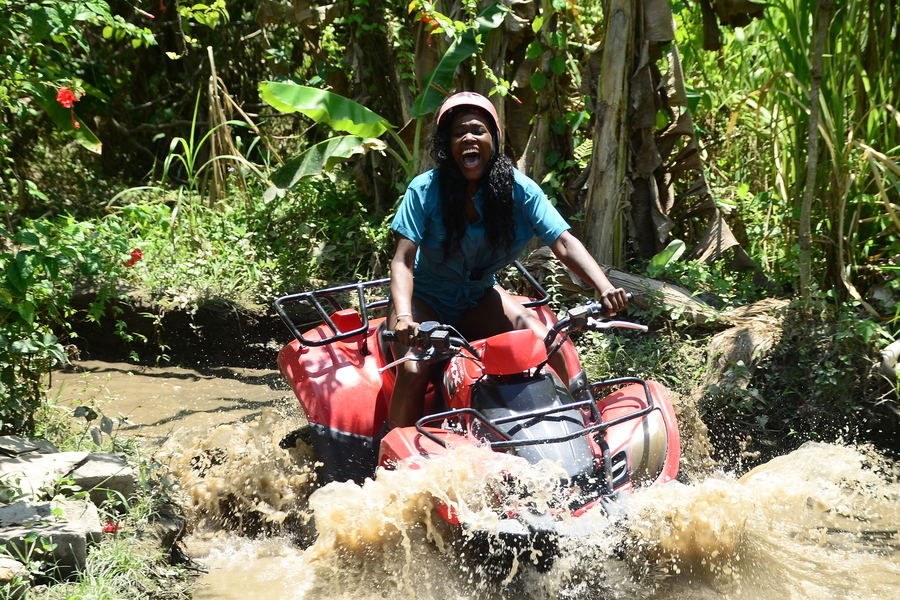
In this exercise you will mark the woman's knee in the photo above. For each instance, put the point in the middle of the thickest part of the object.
(412, 372)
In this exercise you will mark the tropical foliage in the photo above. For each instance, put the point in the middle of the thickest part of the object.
(247, 146)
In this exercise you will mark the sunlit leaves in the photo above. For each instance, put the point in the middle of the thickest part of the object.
(318, 159)
(326, 107)
(439, 81)
(209, 15)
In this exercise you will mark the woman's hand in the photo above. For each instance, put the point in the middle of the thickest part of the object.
(406, 330)
(577, 259)
(615, 299)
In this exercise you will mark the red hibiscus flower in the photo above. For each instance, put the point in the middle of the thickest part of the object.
(66, 97)
(135, 255)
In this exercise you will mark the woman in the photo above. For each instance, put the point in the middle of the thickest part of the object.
(457, 226)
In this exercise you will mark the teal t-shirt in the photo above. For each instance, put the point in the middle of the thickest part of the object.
(448, 285)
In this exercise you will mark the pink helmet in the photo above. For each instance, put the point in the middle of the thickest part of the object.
(469, 99)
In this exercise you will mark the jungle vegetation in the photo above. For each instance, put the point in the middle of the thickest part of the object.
(240, 149)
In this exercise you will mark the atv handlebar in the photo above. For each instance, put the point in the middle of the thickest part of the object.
(438, 340)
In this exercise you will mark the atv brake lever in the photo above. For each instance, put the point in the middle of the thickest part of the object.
(427, 355)
(594, 324)
(399, 361)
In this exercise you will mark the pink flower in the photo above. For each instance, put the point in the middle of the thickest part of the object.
(66, 97)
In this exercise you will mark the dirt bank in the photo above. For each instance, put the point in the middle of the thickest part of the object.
(140, 330)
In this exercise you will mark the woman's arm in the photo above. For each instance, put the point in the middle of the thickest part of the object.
(572, 253)
(401, 314)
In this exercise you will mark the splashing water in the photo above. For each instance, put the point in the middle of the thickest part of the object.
(239, 479)
(819, 523)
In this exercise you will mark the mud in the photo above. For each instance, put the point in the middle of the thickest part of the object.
(818, 523)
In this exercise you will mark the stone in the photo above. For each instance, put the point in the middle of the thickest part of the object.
(14, 445)
(102, 473)
(14, 578)
(35, 526)
(35, 473)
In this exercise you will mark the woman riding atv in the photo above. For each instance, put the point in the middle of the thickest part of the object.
(457, 226)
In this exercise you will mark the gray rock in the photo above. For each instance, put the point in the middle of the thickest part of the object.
(102, 473)
(14, 578)
(59, 529)
(35, 473)
(14, 445)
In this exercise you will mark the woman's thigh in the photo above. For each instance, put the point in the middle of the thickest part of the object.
(497, 312)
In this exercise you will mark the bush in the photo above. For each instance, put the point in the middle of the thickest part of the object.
(40, 265)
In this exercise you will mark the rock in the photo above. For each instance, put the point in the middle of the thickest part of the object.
(14, 578)
(62, 529)
(14, 445)
(34, 473)
(104, 476)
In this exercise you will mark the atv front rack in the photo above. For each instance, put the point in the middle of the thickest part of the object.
(312, 298)
(493, 425)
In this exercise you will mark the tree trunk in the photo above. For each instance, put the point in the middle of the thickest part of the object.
(812, 158)
(607, 189)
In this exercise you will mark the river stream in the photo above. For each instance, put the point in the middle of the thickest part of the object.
(819, 523)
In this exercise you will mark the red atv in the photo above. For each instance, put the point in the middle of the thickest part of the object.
(608, 436)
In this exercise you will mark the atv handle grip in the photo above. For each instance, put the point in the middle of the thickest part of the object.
(606, 310)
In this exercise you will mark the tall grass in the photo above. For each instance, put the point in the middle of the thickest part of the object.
(754, 107)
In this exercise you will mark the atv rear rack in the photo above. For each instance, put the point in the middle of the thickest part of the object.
(506, 442)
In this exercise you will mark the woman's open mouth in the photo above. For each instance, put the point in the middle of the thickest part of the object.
(470, 158)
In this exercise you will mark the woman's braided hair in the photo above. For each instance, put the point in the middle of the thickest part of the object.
(497, 187)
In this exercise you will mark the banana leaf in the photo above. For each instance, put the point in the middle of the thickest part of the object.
(326, 107)
(441, 78)
(319, 159)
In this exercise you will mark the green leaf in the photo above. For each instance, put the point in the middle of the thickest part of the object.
(537, 24)
(106, 425)
(671, 254)
(324, 107)
(86, 412)
(538, 81)
(439, 81)
(52, 266)
(14, 279)
(45, 97)
(26, 311)
(58, 353)
(558, 64)
(534, 50)
(28, 237)
(27, 261)
(25, 347)
(318, 159)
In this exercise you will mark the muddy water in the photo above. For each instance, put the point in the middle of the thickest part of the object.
(159, 401)
(819, 523)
